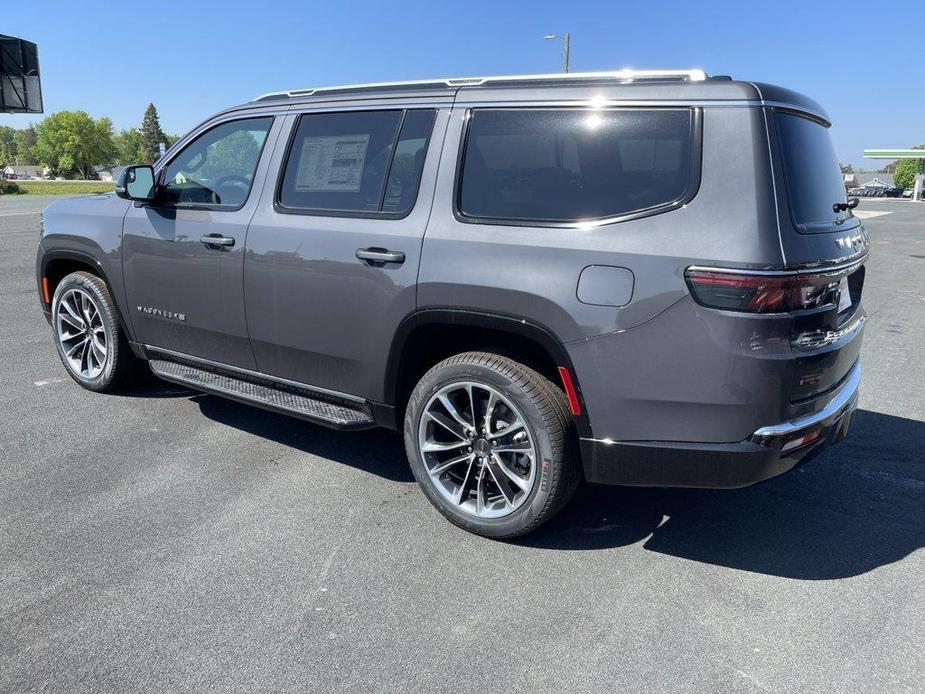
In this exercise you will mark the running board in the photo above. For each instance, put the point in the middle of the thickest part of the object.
(292, 401)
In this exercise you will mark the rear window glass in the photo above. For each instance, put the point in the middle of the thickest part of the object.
(814, 179)
(360, 161)
(568, 165)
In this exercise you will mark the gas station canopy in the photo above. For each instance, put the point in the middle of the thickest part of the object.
(903, 154)
(894, 153)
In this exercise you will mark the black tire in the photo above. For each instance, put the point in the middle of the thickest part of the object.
(119, 364)
(545, 410)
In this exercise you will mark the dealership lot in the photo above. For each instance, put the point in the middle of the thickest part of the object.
(161, 540)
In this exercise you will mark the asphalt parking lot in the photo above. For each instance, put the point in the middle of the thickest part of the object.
(161, 540)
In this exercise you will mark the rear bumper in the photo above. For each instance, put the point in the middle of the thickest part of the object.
(722, 465)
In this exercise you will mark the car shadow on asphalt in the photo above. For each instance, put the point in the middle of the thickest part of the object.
(377, 451)
(852, 509)
(855, 507)
(145, 384)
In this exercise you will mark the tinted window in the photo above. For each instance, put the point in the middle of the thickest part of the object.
(572, 165)
(344, 162)
(217, 168)
(408, 163)
(814, 179)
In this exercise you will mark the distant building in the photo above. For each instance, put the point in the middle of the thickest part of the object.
(107, 173)
(874, 180)
(25, 172)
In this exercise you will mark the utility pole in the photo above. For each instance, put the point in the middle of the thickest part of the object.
(566, 47)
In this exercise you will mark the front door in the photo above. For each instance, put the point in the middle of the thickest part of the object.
(183, 255)
(333, 251)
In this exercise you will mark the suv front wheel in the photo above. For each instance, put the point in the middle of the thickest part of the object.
(490, 444)
(88, 334)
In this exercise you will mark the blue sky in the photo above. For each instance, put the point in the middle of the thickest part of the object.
(194, 58)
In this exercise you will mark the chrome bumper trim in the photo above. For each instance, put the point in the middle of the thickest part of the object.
(845, 400)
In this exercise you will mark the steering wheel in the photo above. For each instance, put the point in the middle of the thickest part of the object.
(239, 184)
(233, 179)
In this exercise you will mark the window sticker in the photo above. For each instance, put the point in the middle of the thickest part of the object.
(332, 163)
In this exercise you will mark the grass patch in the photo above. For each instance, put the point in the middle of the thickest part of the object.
(64, 187)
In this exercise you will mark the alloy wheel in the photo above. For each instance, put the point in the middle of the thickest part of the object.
(477, 449)
(81, 333)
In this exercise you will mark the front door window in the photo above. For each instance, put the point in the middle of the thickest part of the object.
(217, 168)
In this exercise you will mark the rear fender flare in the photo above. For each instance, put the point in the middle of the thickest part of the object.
(537, 333)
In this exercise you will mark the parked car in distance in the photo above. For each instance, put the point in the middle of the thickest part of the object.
(640, 278)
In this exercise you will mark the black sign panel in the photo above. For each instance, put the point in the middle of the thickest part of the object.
(20, 84)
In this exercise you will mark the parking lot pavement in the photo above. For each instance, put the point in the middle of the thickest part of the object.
(161, 540)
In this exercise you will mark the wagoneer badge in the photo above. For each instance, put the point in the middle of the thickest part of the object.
(161, 313)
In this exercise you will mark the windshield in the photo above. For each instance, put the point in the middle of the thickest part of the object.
(814, 180)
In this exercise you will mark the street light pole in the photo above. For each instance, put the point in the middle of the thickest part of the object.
(566, 48)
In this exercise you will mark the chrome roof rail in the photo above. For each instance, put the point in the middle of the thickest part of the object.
(623, 76)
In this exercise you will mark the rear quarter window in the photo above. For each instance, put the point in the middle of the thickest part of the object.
(574, 165)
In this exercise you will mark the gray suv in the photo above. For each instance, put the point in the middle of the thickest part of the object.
(636, 278)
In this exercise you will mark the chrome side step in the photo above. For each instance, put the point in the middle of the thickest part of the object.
(301, 403)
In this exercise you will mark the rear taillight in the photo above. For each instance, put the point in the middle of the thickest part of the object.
(755, 293)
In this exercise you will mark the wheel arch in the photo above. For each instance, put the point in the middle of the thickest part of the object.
(429, 335)
(56, 264)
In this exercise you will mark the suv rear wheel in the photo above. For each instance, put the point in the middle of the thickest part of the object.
(88, 334)
(490, 444)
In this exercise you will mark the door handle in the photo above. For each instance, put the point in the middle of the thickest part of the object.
(216, 240)
(380, 255)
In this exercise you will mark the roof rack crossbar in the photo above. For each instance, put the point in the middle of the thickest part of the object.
(615, 75)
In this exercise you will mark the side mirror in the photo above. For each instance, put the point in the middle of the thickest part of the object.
(853, 202)
(136, 183)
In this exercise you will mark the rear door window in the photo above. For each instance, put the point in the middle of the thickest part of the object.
(571, 165)
(361, 162)
(814, 179)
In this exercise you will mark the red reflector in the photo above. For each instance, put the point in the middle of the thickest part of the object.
(46, 295)
(801, 441)
(574, 405)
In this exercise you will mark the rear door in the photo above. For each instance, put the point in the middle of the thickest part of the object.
(183, 255)
(333, 251)
(820, 235)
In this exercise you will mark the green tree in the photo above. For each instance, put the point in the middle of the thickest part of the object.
(7, 145)
(904, 176)
(25, 145)
(71, 142)
(231, 156)
(906, 169)
(151, 135)
(129, 147)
